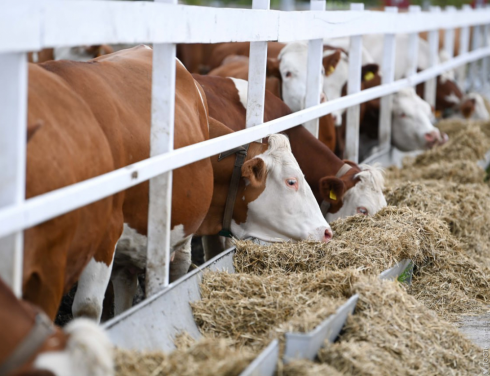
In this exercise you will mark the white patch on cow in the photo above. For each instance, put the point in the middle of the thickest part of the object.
(149, 48)
(91, 289)
(293, 60)
(88, 352)
(280, 212)
(130, 260)
(242, 88)
(366, 194)
(452, 98)
(412, 122)
(481, 112)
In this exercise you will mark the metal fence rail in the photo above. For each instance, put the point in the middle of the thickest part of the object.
(67, 23)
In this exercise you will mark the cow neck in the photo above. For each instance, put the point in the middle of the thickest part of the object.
(314, 158)
(325, 206)
(241, 155)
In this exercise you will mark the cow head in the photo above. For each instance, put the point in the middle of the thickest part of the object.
(290, 67)
(473, 107)
(412, 127)
(335, 78)
(358, 191)
(281, 205)
(448, 95)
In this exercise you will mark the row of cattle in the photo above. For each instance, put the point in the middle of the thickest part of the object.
(86, 119)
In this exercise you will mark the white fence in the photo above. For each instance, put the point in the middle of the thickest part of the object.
(31, 25)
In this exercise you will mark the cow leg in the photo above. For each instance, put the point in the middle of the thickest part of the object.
(91, 289)
(181, 260)
(214, 245)
(125, 284)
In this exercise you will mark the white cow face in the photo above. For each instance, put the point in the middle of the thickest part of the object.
(334, 81)
(293, 60)
(286, 209)
(479, 110)
(365, 197)
(412, 127)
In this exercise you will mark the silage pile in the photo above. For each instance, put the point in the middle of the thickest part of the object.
(394, 334)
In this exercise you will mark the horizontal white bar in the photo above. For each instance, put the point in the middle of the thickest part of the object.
(49, 205)
(69, 23)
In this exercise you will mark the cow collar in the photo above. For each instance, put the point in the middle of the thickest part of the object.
(42, 329)
(241, 155)
(325, 206)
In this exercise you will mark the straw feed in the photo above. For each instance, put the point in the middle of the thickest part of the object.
(470, 144)
(372, 244)
(207, 357)
(457, 171)
(464, 207)
(394, 334)
(252, 310)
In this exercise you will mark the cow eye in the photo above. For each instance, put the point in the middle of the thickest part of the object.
(288, 74)
(292, 183)
(362, 210)
(403, 114)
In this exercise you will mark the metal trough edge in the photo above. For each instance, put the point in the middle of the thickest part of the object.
(402, 272)
(265, 363)
(306, 345)
(154, 323)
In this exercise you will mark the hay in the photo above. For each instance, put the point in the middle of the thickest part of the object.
(464, 207)
(252, 310)
(372, 244)
(456, 171)
(308, 368)
(207, 357)
(453, 126)
(470, 144)
(393, 334)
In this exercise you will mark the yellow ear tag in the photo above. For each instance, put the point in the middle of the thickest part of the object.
(331, 69)
(438, 114)
(333, 196)
(368, 76)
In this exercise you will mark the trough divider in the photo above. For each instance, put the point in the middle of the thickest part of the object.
(265, 363)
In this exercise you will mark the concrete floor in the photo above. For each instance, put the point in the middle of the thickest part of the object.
(477, 329)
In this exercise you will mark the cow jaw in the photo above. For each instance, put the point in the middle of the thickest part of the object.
(286, 208)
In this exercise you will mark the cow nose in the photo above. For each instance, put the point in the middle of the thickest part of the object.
(432, 138)
(323, 98)
(327, 236)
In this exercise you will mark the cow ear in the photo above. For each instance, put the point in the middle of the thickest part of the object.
(33, 128)
(273, 67)
(332, 189)
(369, 71)
(255, 171)
(330, 62)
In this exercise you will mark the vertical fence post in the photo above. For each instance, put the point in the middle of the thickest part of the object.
(388, 76)
(464, 44)
(413, 46)
(162, 141)
(314, 72)
(449, 35)
(485, 61)
(13, 120)
(475, 44)
(256, 75)
(431, 85)
(354, 86)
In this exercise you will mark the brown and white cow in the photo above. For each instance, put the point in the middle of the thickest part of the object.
(81, 53)
(341, 188)
(32, 345)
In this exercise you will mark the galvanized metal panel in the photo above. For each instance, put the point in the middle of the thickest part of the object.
(266, 363)
(401, 271)
(154, 323)
(307, 345)
(13, 120)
